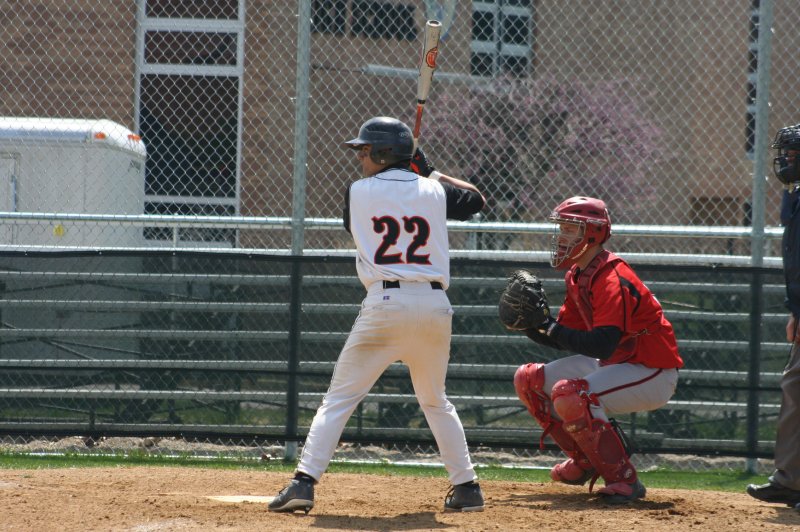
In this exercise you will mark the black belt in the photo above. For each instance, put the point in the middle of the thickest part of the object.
(436, 285)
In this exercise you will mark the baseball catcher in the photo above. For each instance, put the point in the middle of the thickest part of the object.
(625, 354)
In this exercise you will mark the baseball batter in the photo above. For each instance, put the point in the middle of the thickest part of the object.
(398, 221)
(627, 357)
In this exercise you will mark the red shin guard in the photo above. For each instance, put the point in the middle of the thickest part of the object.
(596, 438)
(529, 384)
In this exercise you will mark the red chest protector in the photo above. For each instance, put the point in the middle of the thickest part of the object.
(580, 293)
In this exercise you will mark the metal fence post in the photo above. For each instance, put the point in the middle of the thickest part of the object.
(758, 238)
(292, 397)
(754, 369)
(298, 213)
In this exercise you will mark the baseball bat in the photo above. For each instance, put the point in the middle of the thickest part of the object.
(427, 64)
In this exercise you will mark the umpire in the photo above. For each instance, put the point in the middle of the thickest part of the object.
(784, 483)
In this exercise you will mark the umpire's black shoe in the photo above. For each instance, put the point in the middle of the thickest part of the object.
(298, 495)
(774, 492)
(464, 498)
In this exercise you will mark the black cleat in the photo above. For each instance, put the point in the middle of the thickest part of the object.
(464, 498)
(774, 492)
(298, 495)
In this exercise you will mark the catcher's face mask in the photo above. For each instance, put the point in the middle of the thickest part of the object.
(568, 242)
(581, 222)
(787, 164)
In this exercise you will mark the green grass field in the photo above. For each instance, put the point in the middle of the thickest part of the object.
(715, 480)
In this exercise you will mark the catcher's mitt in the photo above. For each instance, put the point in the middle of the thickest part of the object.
(523, 303)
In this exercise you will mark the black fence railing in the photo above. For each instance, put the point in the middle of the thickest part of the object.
(232, 346)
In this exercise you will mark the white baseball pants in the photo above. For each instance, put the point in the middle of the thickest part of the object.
(411, 324)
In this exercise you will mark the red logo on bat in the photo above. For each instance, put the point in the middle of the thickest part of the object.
(430, 57)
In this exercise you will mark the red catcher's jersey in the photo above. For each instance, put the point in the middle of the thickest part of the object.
(620, 299)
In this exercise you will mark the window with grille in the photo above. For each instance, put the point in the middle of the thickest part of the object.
(188, 110)
(378, 19)
(502, 37)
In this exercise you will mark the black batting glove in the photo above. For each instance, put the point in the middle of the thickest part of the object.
(420, 164)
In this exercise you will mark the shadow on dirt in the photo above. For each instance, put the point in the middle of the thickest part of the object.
(574, 501)
(389, 523)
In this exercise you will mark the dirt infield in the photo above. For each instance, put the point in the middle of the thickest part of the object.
(144, 499)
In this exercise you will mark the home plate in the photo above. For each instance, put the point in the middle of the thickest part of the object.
(241, 498)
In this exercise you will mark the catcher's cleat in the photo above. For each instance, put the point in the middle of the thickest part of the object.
(622, 492)
(569, 472)
(774, 492)
(298, 495)
(464, 498)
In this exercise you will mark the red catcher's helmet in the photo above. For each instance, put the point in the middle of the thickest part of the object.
(580, 222)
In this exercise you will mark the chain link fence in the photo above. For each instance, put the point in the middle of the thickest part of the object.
(218, 125)
(242, 108)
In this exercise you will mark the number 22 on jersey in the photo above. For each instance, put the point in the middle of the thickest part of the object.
(389, 227)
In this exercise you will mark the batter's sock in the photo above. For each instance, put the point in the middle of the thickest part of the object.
(303, 476)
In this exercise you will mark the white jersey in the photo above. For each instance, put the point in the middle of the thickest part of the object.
(399, 223)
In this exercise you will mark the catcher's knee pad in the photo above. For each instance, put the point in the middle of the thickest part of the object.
(529, 383)
(571, 401)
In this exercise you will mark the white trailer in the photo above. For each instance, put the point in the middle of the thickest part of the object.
(70, 166)
(53, 165)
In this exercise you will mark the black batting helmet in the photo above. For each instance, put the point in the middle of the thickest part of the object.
(391, 140)
(786, 167)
